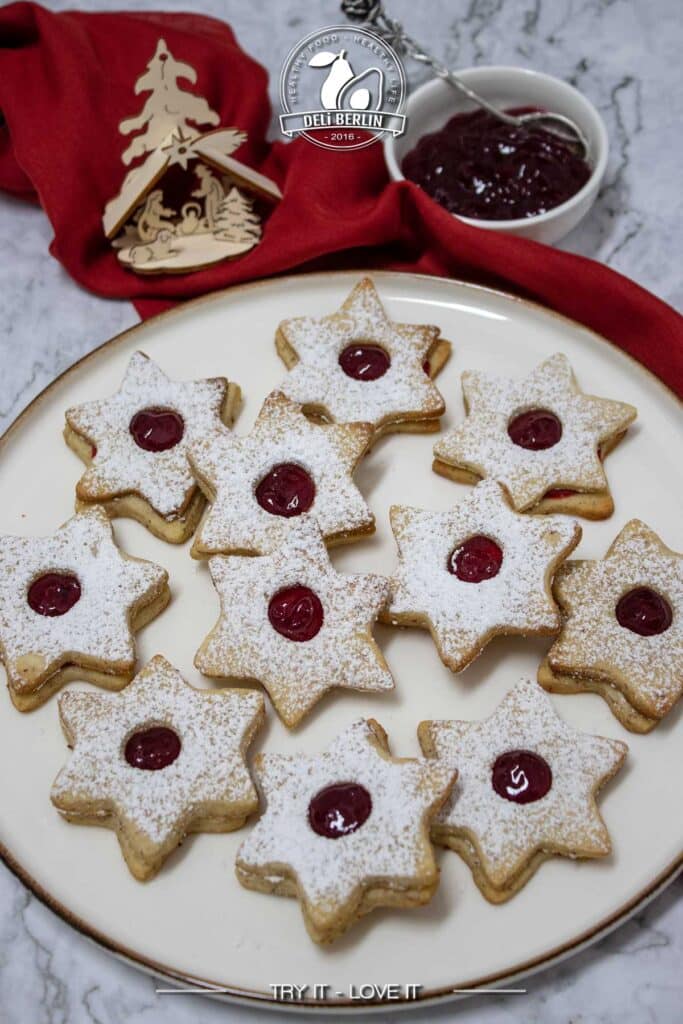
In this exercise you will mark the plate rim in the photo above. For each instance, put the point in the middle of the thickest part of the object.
(252, 997)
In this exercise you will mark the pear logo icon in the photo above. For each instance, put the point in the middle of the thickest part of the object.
(342, 88)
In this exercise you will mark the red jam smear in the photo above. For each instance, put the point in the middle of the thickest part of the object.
(54, 593)
(559, 492)
(339, 810)
(296, 613)
(477, 166)
(521, 776)
(644, 611)
(287, 490)
(157, 430)
(153, 748)
(535, 430)
(478, 559)
(364, 362)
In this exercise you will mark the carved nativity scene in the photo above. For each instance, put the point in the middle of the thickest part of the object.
(188, 203)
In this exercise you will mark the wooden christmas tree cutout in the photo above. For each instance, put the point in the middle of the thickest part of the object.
(217, 221)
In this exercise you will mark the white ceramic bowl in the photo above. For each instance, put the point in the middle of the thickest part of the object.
(432, 104)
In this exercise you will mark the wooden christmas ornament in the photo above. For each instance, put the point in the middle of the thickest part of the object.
(216, 220)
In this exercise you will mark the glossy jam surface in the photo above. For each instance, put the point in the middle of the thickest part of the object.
(535, 430)
(559, 492)
(364, 361)
(157, 430)
(152, 748)
(287, 490)
(644, 611)
(296, 613)
(521, 776)
(479, 167)
(54, 593)
(478, 559)
(338, 810)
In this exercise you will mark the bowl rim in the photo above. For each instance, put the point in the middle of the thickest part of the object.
(500, 70)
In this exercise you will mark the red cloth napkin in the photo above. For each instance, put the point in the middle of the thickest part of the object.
(66, 80)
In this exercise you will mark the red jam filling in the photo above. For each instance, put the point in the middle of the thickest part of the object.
(287, 490)
(521, 776)
(535, 430)
(559, 492)
(644, 612)
(478, 559)
(54, 593)
(296, 613)
(426, 367)
(479, 167)
(339, 810)
(364, 362)
(157, 430)
(152, 748)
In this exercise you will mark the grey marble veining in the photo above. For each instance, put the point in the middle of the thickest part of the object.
(625, 54)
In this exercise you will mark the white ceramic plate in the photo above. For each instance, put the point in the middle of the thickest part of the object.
(194, 922)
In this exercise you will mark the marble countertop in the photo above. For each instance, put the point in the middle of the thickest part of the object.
(626, 56)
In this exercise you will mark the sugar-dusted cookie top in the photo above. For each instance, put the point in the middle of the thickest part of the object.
(623, 619)
(526, 785)
(339, 824)
(139, 436)
(295, 624)
(359, 365)
(158, 760)
(478, 570)
(71, 599)
(534, 435)
(286, 468)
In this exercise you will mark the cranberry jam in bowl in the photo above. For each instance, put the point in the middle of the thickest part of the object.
(493, 175)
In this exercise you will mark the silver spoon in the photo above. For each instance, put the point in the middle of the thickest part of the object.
(373, 14)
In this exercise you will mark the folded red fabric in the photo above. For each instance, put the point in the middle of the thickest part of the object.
(66, 81)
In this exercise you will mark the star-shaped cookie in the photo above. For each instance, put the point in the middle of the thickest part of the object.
(286, 468)
(345, 831)
(69, 605)
(358, 365)
(622, 628)
(475, 572)
(295, 624)
(158, 761)
(526, 789)
(540, 437)
(135, 446)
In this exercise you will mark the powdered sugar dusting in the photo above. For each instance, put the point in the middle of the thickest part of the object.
(120, 466)
(648, 669)
(245, 645)
(318, 379)
(97, 626)
(465, 615)
(230, 468)
(482, 444)
(391, 844)
(210, 769)
(507, 834)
